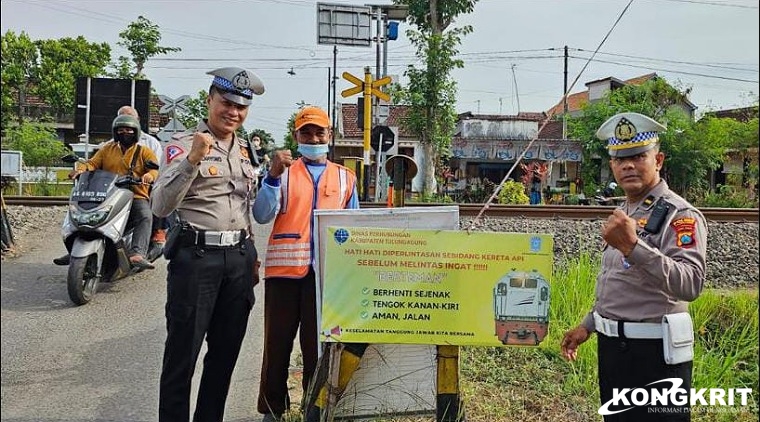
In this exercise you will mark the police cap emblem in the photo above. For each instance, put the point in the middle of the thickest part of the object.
(629, 134)
(237, 84)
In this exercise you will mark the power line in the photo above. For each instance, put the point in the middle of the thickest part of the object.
(713, 3)
(726, 78)
(716, 66)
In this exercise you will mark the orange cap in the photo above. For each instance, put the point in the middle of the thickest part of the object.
(312, 115)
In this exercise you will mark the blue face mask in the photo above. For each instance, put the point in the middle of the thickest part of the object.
(313, 152)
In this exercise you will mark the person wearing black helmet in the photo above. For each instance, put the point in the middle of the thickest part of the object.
(123, 156)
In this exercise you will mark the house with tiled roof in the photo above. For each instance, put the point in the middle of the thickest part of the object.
(487, 146)
(597, 89)
(483, 146)
(349, 141)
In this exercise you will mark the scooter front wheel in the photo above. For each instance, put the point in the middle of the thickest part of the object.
(82, 279)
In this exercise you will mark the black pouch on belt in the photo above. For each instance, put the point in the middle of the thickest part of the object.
(174, 238)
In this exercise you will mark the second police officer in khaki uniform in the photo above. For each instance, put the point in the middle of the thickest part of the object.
(653, 264)
(207, 177)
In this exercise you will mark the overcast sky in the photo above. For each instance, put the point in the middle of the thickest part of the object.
(513, 58)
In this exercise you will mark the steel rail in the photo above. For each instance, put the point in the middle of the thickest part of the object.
(575, 212)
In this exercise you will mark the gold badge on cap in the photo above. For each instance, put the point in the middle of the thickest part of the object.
(625, 130)
(213, 171)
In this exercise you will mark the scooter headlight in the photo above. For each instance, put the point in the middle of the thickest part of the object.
(89, 218)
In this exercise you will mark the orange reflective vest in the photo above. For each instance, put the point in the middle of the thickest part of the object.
(289, 250)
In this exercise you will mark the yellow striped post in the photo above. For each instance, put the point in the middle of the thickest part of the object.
(449, 406)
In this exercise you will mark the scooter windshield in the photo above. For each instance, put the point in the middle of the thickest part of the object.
(93, 186)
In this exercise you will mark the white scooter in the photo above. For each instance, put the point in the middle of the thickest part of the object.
(94, 230)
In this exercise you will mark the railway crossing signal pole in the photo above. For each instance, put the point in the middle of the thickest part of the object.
(369, 88)
(367, 131)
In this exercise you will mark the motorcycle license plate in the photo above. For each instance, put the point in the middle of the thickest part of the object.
(89, 196)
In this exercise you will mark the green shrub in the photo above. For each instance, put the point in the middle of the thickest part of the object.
(436, 198)
(727, 197)
(513, 193)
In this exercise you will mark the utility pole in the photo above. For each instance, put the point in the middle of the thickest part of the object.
(564, 102)
(517, 95)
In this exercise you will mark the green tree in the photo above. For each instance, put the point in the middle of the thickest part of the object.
(431, 93)
(37, 142)
(142, 38)
(691, 149)
(122, 69)
(290, 142)
(61, 62)
(18, 58)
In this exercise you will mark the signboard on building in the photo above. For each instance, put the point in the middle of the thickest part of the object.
(545, 150)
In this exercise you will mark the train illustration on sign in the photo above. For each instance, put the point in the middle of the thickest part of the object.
(521, 308)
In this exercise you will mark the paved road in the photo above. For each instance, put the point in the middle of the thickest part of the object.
(101, 361)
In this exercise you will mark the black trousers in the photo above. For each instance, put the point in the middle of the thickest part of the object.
(290, 306)
(634, 363)
(209, 295)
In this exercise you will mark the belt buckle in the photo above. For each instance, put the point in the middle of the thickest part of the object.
(226, 238)
(611, 327)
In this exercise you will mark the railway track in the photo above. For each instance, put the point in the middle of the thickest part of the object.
(577, 212)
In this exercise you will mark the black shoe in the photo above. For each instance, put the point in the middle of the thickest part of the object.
(62, 260)
(141, 264)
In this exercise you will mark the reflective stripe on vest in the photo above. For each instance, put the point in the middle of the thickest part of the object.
(284, 191)
(289, 255)
(343, 177)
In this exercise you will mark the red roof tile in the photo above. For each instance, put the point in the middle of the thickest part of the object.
(577, 100)
(552, 130)
(351, 129)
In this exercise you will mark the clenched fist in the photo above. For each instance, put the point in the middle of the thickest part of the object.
(281, 159)
(620, 232)
(202, 144)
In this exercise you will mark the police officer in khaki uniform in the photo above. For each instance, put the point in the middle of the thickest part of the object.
(207, 177)
(653, 264)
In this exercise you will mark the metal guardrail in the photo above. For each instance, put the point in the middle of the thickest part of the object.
(576, 212)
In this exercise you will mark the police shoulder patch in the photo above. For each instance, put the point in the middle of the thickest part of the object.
(685, 228)
(172, 152)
